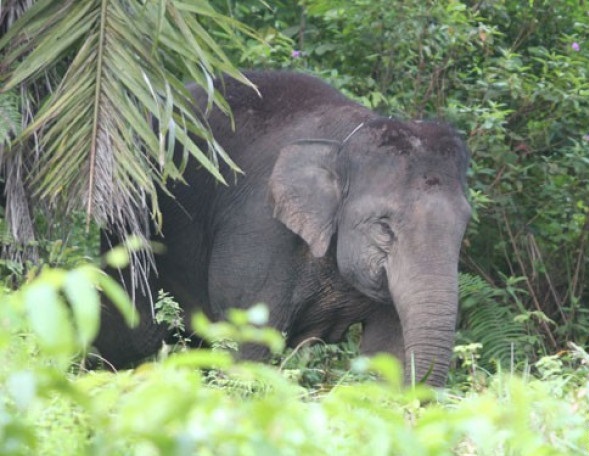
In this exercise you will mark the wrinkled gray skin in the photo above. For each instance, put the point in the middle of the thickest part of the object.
(342, 216)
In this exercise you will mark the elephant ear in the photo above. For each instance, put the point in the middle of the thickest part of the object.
(305, 191)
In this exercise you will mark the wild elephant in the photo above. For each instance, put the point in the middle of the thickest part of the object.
(340, 216)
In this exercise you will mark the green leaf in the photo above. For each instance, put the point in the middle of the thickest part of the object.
(118, 296)
(118, 64)
(22, 386)
(84, 300)
(117, 257)
(49, 319)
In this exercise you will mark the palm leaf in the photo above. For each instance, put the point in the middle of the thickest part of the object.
(120, 64)
(9, 117)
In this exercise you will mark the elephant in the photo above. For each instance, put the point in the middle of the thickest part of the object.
(340, 216)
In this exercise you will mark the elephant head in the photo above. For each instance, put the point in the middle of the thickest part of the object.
(393, 195)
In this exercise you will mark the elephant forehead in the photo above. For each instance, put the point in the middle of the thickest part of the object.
(360, 208)
(394, 188)
(415, 144)
(378, 175)
(384, 165)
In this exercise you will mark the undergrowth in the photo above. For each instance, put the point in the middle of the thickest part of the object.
(315, 401)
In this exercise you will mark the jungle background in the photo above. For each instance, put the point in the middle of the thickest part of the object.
(512, 76)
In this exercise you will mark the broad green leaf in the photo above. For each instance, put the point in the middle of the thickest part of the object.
(258, 314)
(117, 295)
(84, 300)
(22, 387)
(117, 257)
(49, 318)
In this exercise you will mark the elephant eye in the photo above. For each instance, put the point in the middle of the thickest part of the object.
(383, 229)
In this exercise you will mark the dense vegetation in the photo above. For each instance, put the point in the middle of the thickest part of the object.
(513, 77)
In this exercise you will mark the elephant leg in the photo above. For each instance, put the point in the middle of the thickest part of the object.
(119, 345)
(382, 333)
(251, 265)
(253, 352)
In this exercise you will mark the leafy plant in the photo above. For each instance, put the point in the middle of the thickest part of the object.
(94, 75)
(487, 317)
(319, 366)
(203, 402)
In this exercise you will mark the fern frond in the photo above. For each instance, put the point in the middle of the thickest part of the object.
(488, 318)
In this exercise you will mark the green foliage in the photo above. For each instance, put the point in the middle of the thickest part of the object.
(276, 36)
(62, 244)
(318, 366)
(203, 402)
(487, 317)
(93, 76)
(242, 326)
(169, 312)
(9, 117)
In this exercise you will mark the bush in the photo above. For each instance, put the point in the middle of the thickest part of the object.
(203, 402)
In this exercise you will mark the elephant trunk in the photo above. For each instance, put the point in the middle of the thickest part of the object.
(428, 317)
(428, 351)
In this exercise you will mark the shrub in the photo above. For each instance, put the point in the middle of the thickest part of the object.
(203, 402)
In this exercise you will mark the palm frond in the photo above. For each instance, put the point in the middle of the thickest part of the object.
(16, 209)
(10, 11)
(10, 118)
(120, 63)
